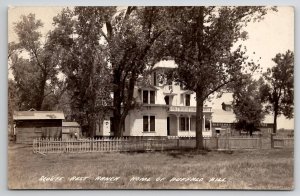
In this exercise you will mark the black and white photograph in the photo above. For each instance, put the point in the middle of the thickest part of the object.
(151, 97)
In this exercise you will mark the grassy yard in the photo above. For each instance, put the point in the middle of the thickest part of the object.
(258, 169)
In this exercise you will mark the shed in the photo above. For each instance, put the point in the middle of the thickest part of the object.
(70, 130)
(37, 124)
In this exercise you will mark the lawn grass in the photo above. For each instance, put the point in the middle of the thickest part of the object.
(256, 169)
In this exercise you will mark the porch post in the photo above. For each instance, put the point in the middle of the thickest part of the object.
(210, 125)
(177, 124)
(190, 125)
(203, 129)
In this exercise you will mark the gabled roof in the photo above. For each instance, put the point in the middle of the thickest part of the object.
(165, 64)
(70, 124)
(38, 115)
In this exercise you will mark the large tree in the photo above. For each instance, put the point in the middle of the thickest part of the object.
(278, 91)
(202, 44)
(247, 103)
(83, 64)
(129, 39)
(33, 63)
(135, 40)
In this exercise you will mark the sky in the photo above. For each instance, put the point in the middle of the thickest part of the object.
(274, 34)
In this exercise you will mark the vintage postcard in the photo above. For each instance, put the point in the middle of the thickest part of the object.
(151, 97)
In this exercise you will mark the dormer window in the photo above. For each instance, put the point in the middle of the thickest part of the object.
(226, 106)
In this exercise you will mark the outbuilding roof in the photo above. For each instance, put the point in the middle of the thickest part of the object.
(221, 116)
(70, 124)
(38, 115)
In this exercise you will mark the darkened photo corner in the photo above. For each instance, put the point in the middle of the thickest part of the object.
(149, 97)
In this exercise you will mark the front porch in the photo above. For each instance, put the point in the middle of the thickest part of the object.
(182, 121)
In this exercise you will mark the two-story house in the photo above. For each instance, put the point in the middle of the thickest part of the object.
(167, 109)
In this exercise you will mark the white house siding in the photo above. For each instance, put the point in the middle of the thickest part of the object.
(173, 125)
(134, 121)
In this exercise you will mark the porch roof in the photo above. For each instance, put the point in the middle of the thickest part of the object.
(147, 87)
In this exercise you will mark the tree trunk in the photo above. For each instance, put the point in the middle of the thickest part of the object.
(91, 125)
(275, 121)
(117, 121)
(41, 94)
(120, 112)
(199, 121)
(117, 100)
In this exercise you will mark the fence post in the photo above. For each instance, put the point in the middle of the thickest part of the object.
(260, 142)
(272, 140)
(217, 143)
(33, 145)
(178, 143)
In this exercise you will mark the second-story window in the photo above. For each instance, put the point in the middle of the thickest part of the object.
(152, 97)
(148, 97)
(187, 99)
(145, 96)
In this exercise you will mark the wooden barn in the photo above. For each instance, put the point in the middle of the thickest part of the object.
(29, 125)
(71, 130)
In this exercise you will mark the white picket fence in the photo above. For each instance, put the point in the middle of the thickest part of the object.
(45, 146)
(101, 145)
(283, 142)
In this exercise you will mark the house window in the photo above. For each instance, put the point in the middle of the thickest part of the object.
(145, 124)
(184, 124)
(167, 100)
(207, 125)
(148, 123)
(152, 97)
(149, 97)
(145, 96)
(111, 124)
(187, 99)
(152, 123)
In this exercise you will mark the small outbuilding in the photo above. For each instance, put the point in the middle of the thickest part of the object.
(70, 130)
(29, 125)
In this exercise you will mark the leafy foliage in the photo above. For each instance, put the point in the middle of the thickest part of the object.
(202, 44)
(247, 104)
(82, 61)
(278, 91)
(33, 64)
(131, 40)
